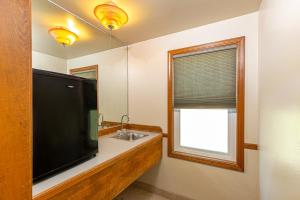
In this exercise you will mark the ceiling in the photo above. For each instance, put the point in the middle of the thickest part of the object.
(147, 19)
(46, 15)
(152, 18)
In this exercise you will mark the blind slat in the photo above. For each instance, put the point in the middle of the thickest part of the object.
(206, 79)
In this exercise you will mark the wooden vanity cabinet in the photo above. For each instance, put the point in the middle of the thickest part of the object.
(106, 181)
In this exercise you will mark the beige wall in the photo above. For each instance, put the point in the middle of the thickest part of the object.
(47, 62)
(280, 100)
(112, 84)
(147, 64)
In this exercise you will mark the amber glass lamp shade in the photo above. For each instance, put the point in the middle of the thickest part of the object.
(111, 16)
(63, 35)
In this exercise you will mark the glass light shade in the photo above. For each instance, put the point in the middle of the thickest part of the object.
(111, 16)
(63, 35)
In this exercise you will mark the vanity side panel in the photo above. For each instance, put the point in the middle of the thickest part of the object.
(15, 100)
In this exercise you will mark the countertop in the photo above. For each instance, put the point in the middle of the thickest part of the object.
(109, 148)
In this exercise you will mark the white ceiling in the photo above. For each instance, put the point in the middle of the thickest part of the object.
(153, 18)
(46, 15)
(147, 19)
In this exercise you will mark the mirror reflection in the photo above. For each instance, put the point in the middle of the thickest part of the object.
(66, 43)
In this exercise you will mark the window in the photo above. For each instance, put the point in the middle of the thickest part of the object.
(206, 104)
(90, 72)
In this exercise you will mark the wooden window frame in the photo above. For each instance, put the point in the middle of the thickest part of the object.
(84, 69)
(237, 165)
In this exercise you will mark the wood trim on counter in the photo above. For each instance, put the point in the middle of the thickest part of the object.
(238, 165)
(110, 123)
(108, 130)
(15, 100)
(136, 127)
(251, 146)
(110, 178)
(148, 128)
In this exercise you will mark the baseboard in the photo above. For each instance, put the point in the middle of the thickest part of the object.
(150, 188)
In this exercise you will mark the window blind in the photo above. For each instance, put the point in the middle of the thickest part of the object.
(87, 74)
(205, 79)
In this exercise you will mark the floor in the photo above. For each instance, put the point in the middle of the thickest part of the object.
(134, 193)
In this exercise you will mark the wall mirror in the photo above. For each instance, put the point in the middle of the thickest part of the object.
(88, 51)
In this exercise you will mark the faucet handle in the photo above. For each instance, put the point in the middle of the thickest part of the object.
(100, 116)
(126, 117)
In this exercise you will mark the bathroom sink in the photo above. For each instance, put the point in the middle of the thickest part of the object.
(129, 136)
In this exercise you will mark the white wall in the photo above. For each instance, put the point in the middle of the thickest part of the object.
(147, 64)
(47, 62)
(280, 100)
(112, 84)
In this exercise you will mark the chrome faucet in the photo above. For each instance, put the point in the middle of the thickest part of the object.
(122, 129)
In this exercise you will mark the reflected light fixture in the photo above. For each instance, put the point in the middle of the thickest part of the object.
(63, 35)
(110, 15)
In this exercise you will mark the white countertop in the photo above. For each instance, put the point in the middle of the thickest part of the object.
(108, 149)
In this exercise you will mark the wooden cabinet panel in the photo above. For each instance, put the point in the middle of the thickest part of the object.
(15, 100)
(107, 180)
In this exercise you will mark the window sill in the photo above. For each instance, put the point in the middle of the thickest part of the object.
(207, 160)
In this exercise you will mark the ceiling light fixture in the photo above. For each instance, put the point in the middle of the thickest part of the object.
(110, 15)
(63, 35)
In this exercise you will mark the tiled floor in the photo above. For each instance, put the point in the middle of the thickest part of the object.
(134, 193)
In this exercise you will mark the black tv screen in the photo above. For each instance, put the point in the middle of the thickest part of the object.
(65, 127)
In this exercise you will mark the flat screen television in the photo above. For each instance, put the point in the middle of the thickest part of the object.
(65, 128)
